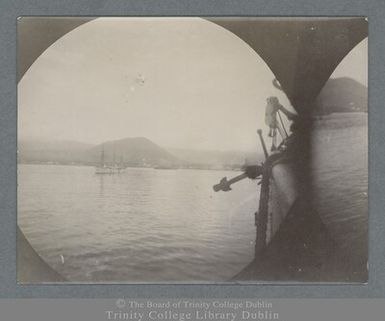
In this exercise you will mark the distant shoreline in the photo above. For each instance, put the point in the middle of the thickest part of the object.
(139, 167)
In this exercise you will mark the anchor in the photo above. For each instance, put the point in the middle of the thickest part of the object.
(224, 184)
(252, 171)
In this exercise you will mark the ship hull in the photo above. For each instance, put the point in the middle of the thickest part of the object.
(297, 242)
(299, 246)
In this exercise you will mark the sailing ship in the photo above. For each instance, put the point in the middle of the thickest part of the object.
(103, 168)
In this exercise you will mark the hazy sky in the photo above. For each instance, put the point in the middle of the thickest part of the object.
(182, 82)
(355, 64)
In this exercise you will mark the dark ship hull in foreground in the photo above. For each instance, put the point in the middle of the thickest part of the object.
(293, 243)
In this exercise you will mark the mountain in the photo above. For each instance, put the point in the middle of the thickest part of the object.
(342, 95)
(131, 152)
(217, 158)
(137, 151)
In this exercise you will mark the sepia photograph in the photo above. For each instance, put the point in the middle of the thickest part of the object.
(192, 150)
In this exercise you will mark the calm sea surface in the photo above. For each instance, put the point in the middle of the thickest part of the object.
(141, 225)
(340, 173)
(148, 225)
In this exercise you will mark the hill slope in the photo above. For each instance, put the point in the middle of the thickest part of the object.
(137, 151)
(342, 95)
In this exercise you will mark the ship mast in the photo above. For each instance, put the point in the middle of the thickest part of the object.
(102, 157)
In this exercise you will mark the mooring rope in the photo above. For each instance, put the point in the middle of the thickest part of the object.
(283, 125)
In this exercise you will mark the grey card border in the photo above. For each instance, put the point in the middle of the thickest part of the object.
(11, 9)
